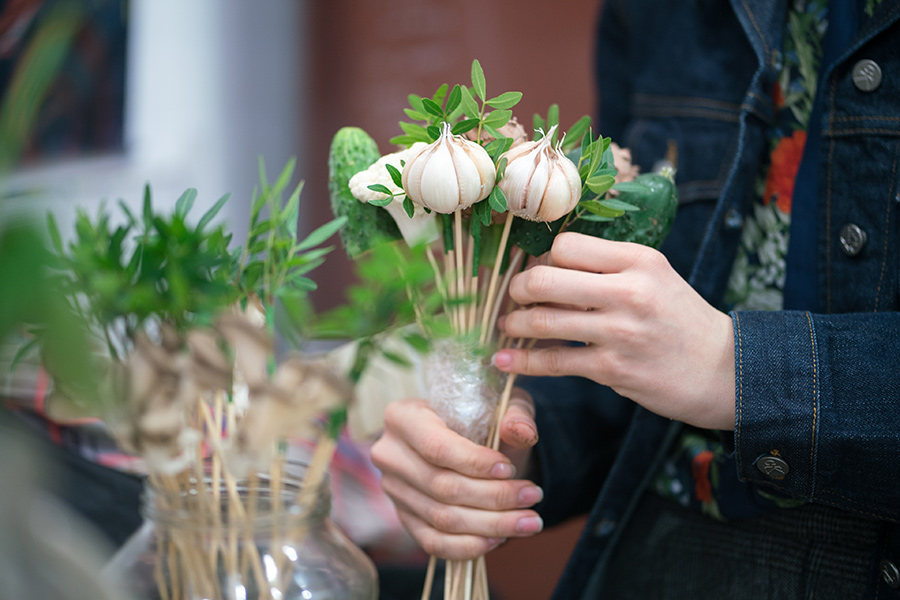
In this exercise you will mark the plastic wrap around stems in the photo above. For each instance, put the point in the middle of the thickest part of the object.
(462, 388)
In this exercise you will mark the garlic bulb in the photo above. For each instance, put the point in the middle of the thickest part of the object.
(539, 182)
(449, 174)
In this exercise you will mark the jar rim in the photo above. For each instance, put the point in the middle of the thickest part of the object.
(201, 503)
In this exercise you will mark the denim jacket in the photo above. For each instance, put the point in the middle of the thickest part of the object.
(818, 392)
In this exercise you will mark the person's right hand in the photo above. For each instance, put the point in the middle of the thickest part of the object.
(458, 499)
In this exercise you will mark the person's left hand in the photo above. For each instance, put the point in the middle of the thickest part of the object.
(648, 334)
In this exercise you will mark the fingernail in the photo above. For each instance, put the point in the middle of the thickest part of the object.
(528, 437)
(529, 525)
(531, 495)
(501, 360)
(503, 470)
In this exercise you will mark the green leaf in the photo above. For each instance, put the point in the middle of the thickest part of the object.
(600, 183)
(415, 115)
(631, 187)
(597, 208)
(55, 237)
(284, 177)
(497, 200)
(378, 187)
(440, 94)
(148, 208)
(292, 211)
(395, 358)
(464, 126)
(409, 207)
(404, 140)
(396, 176)
(478, 83)
(538, 124)
(481, 213)
(212, 212)
(322, 233)
(576, 132)
(381, 201)
(416, 103)
(615, 204)
(453, 100)
(553, 117)
(432, 108)
(505, 100)
(433, 132)
(498, 118)
(496, 147)
(184, 204)
(468, 103)
(501, 169)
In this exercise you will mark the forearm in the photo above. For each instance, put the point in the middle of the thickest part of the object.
(820, 394)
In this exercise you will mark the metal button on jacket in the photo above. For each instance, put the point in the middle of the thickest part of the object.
(773, 466)
(852, 238)
(891, 574)
(866, 75)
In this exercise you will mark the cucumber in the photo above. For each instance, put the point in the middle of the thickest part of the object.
(352, 150)
(650, 224)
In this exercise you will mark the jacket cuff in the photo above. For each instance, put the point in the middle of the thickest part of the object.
(776, 400)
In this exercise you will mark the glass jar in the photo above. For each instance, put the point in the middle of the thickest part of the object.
(241, 540)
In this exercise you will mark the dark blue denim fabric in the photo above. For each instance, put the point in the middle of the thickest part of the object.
(821, 391)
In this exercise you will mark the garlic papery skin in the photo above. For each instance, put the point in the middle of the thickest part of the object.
(540, 183)
(449, 174)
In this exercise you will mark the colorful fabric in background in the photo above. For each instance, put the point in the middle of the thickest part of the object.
(62, 79)
(700, 472)
(758, 277)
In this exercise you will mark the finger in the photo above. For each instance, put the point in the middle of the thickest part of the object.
(444, 545)
(553, 361)
(449, 487)
(595, 255)
(552, 323)
(518, 429)
(453, 518)
(424, 431)
(553, 285)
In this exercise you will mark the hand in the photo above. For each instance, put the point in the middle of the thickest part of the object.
(648, 334)
(458, 499)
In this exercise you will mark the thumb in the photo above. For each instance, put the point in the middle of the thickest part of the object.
(518, 428)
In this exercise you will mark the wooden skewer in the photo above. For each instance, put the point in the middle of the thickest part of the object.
(495, 273)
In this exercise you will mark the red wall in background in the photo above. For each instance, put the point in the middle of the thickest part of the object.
(368, 55)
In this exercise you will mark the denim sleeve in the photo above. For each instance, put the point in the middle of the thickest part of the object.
(580, 427)
(817, 407)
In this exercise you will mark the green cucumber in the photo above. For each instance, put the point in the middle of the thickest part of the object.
(353, 150)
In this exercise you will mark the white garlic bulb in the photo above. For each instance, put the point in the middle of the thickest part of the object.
(449, 174)
(539, 182)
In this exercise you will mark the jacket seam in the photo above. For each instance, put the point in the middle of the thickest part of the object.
(832, 132)
(868, 117)
(887, 231)
(740, 395)
(828, 175)
(762, 38)
(813, 449)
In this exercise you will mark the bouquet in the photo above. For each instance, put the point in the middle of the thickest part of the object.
(470, 190)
